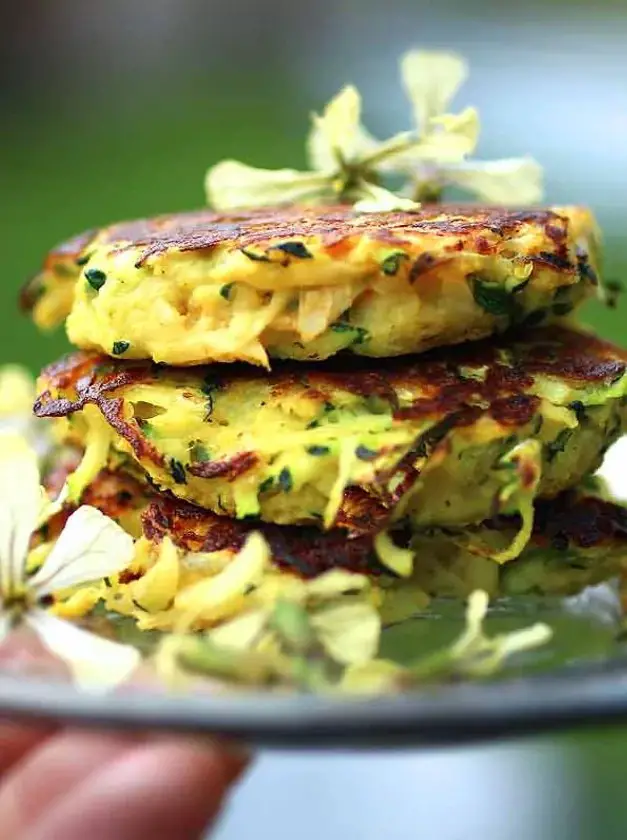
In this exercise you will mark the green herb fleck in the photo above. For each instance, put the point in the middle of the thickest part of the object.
(613, 290)
(534, 319)
(266, 484)
(361, 334)
(392, 263)
(210, 385)
(226, 291)
(199, 452)
(563, 308)
(177, 471)
(559, 444)
(492, 297)
(365, 454)
(579, 408)
(96, 278)
(255, 257)
(285, 480)
(210, 388)
(341, 327)
(318, 450)
(120, 347)
(294, 249)
(537, 424)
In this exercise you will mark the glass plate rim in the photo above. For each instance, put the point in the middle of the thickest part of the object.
(576, 696)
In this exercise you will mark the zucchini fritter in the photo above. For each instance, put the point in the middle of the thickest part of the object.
(448, 438)
(579, 538)
(306, 283)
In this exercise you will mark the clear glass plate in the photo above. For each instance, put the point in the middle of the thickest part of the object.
(579, 678)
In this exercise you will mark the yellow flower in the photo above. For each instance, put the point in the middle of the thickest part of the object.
(17, 395)
(477, 655)
(431, 80)
(90, 547)
(343, 157)
(347, 162)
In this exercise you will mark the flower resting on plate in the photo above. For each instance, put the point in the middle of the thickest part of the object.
(348, 163)
(474, 655)
(336, 651)
(90, 547)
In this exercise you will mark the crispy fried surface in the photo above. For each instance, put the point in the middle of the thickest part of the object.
(243, 443)
(307, 283)
(481, 229)
(573, 521)
(304, 550)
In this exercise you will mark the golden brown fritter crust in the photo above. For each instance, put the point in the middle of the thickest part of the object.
(307, 283)
(480, 229)
(437, 378)
(572, 520)
(305, 551)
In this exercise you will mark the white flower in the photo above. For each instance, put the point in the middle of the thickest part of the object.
(347, 162)
(431, 80)
(17, 395)
(343, 157)
(90, 547)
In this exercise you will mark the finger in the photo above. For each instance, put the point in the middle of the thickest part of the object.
(16, 740)
(165, 791)
(47, 773)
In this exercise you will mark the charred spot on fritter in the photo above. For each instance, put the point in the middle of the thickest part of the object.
(228, 468)
(283, 228)
(305, 551)
(573, 519)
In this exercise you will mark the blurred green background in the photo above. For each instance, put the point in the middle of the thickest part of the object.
(115, 109)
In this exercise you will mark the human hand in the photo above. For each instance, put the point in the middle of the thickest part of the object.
(80, 785)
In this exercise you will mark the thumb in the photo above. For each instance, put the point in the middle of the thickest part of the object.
(166, 790)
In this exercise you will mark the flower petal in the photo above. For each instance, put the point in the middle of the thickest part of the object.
(383, 155)
(376, 676)
(349, 632)
(431, 79)
(336, 582)
(241, 632)
(17, 391)
(20, 503)
(451, 136)
(448, 139)
(97, 664)
(91, 547)
(510, 181)
(338, 135)
(379, 200)
(231, 185)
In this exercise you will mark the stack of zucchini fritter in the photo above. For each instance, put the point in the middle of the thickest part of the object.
(363, 389)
